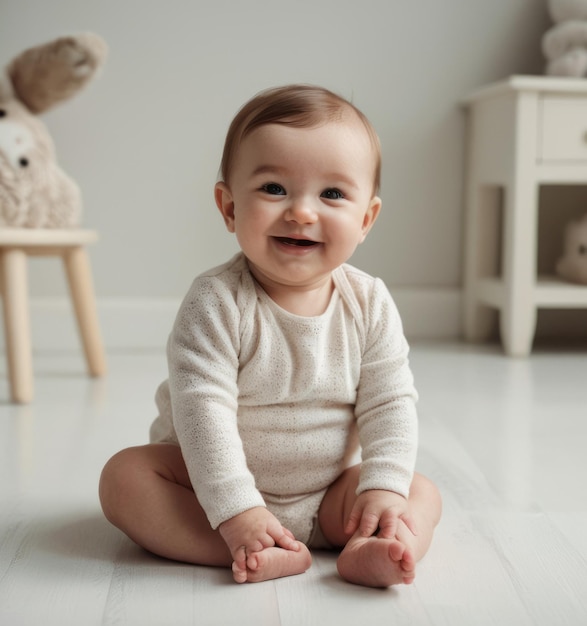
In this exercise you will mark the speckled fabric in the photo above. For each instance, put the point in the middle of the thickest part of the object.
(270, 407)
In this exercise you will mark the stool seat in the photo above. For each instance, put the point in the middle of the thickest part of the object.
(29, 237)
(16, 244)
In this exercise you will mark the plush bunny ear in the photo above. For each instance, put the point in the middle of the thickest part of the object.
(47, 74)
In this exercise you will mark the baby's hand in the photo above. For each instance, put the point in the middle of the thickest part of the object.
(253, 531)
(381, 509)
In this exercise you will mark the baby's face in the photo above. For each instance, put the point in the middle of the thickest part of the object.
(300, 200)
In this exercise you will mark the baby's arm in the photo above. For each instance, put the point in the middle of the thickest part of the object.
(379, 509)
(203, 355)
(387, 423)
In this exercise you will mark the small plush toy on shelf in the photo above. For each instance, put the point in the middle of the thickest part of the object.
(565, 44)
(572, 266)
(34, 191)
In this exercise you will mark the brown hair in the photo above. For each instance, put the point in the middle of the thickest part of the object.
(301, 106)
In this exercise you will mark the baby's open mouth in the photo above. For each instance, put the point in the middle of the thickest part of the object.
(297, 242)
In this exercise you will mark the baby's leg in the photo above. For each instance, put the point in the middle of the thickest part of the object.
(146, 492)
(375, 561)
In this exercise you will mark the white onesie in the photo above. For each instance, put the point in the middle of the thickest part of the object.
(266, 405)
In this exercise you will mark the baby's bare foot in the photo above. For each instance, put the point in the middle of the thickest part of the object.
(273, 563)
(377, 562)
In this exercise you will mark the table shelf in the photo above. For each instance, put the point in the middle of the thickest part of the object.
(549, 292)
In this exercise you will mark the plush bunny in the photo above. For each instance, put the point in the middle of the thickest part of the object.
(565, 44)
(572, 265)
(34, 191)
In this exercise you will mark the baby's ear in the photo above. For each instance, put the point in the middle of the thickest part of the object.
(225, 204)
(370, 216)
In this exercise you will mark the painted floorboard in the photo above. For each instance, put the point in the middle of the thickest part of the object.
(504, 439)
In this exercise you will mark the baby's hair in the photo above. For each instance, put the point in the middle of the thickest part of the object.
(301, 106)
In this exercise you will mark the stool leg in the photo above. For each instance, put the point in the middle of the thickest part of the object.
(17, 325)
(79, 276)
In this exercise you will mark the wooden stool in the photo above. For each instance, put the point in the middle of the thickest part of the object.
(15, 245)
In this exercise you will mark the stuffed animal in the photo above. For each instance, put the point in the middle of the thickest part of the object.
(572, 265)
(34, 191)
(565, 44)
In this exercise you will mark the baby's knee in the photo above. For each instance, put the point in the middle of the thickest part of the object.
(118, 482)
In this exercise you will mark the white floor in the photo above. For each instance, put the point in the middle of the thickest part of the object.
(504, 439)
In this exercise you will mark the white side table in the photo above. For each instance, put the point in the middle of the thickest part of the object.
(522, 133)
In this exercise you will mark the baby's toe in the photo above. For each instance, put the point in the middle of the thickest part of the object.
(239, 575)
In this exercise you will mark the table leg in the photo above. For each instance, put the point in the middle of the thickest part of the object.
(518, 312)
(483, 203)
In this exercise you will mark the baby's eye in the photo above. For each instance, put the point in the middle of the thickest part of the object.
(332, 194)
(274, 189)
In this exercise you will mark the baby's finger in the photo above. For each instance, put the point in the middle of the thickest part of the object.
(369, 524)
(408, 520)
(286, 540)
(288, 543)
(387, 526)
(353, 522)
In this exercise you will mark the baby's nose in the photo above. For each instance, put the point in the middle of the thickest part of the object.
(302, 211)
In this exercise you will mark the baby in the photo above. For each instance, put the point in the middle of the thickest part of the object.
(283, 363)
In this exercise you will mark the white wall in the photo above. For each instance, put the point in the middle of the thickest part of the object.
(144, 140)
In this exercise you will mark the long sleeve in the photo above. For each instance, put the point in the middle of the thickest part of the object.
(203, 361)
(385, 407)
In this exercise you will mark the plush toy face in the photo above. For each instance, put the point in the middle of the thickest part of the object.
(34, 191)
(573, 265)
(16, 140)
